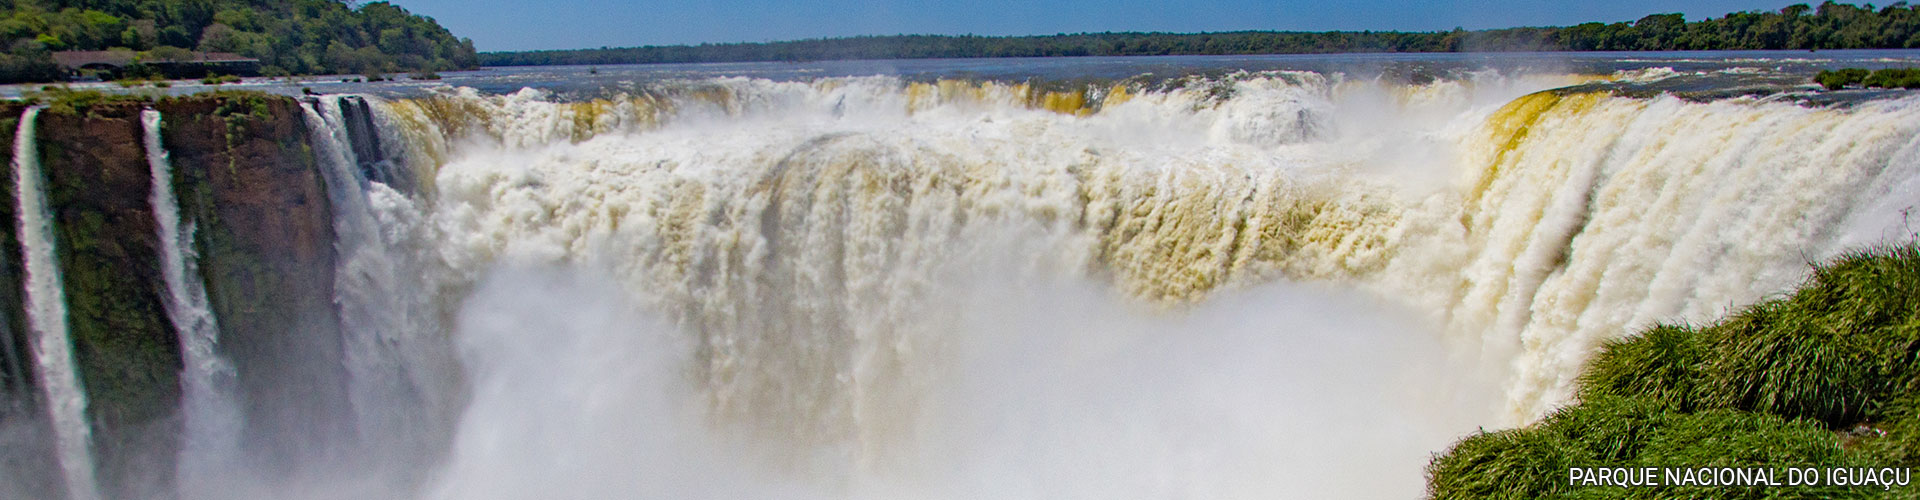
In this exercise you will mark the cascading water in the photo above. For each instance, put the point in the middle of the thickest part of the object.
(399, 386)
(47, 317)
(1590, 217)
(1254, 285)
(1533, 225)
(212, 416)
(864, 279)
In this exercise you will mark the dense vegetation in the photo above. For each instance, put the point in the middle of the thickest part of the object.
(1826, 377)
(288, 36)
(1890, 78)
(1829, 26)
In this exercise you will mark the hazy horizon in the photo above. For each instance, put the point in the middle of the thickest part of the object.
(501, 25)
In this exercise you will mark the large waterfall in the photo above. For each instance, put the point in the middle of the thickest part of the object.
(966, 287)
(1243, 285)
(47, 316)
(1531, 225)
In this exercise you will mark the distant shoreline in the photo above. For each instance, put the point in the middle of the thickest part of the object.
(1831, 26)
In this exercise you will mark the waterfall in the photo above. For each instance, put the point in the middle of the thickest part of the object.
(47, 315)
(364, 276)
(1534, 224)
(954, 286)
(399, 377)
(212, 416)
(1250, 285)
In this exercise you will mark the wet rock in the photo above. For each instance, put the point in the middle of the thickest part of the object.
(127, 353)
(246, 175)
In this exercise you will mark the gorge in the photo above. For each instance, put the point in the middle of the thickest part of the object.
(1217, 285)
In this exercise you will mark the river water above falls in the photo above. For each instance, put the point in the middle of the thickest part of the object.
(1292, 277)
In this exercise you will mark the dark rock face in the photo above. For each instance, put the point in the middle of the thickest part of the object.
(126, 350)
(246, 176)
(249, 189)
(16, 364)
(364, 139)
(24, 446)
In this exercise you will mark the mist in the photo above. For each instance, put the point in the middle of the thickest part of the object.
(1042, 389)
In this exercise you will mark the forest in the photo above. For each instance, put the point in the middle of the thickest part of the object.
(1800, 27)
(289, 37)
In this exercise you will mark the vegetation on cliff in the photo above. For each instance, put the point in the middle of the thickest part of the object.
(247, 177)
(248, 184)
(128, 357)
(289, 37)
(1829, 26)
(1890, 78)
(1826, 377)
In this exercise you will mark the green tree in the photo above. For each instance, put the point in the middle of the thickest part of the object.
(288, 36)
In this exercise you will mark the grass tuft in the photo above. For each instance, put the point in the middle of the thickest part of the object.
(1827, 376)
(1659, 365)
(1518, 464)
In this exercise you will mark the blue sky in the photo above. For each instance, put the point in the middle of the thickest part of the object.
(571, 24)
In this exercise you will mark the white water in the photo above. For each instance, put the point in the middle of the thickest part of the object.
(212, 417)
(795, 229)
(1036, 389)
(816, 253)
(1628, 212)
(47, 316)
(1257, 286)
(400, 389)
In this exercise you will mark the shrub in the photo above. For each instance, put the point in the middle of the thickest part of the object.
(1889, 78)
(1902, 78)
(1836, 80)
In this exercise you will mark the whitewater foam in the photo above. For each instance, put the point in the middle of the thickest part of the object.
(1534, 227)
(1239, 286)
(46, 307)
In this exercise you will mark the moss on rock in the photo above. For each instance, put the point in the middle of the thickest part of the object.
(16, 363)
(246, 176)
(128, 356)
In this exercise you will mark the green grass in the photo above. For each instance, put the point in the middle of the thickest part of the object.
(1825, 376)
(220, 79)
(1517, 464)
(65, 100)
(1659, 364)
(1610, 430)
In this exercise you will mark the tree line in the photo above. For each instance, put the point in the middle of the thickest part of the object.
(1799, 26)
(289, 37)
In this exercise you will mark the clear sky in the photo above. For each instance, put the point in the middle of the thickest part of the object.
(572, 24)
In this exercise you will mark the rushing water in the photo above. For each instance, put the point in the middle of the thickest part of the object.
(212, 419)
(47, 317)
(1090, 278)
(398, 393)
(947, 287)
